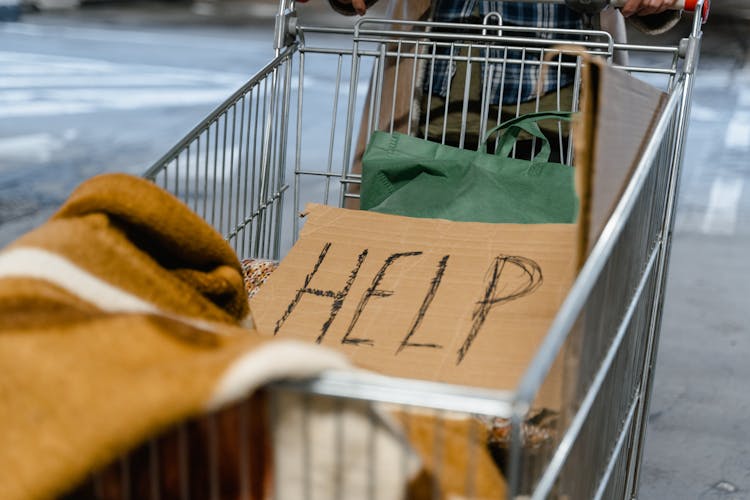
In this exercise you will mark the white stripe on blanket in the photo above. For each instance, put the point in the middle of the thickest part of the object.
(367, 429)
(35, 263)
(323, 447)
(27, 262)
(273, 361)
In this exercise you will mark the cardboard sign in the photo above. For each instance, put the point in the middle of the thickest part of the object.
(465, 303)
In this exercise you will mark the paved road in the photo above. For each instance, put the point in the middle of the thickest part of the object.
(63, 76)
(91, 92)
(698, 445)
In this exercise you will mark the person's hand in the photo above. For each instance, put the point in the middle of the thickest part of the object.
(645, 7)
(359, 6)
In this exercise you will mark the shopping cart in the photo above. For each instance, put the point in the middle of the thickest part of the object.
(293, 134)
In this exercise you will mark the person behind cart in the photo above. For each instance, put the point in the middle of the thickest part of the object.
(513, 87)
(654, 14)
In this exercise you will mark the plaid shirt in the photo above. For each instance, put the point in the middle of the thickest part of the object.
(514, 81)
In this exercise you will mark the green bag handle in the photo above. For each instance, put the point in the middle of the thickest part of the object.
(527, 123)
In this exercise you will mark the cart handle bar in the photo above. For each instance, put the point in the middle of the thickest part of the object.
(686, 5)
(587, 5)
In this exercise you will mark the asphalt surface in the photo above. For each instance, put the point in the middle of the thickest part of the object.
(697, 443)
(110, 89)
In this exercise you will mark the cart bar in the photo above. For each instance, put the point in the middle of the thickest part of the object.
(520, 42)
(618, 449)
(359, 30)
(418, 393)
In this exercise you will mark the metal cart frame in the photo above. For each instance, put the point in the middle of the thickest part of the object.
(232, 169)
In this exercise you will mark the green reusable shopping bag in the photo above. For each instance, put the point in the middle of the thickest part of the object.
(404, 175)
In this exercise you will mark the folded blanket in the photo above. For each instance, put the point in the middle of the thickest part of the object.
(120, 318)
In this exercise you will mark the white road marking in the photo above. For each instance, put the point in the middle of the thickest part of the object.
(721, 216)
(23, 69)
(118, 79)
(742, 83)
(705, 114)
(38, 147)
(62, 103)
(744, 97)
(714, 80)
(738, 131)
(115, 35)
(42, 85)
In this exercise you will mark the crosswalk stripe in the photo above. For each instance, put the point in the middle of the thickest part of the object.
(119, 79)
(721, 216)
(721, 211)
(39, 147)
(43, 85)
(187, 41)
(40, 66)
(738, 131)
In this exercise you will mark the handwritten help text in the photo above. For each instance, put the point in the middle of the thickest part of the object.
(498, 289)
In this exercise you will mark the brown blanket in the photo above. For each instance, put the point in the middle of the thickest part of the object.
(120, 317)
(128, 364)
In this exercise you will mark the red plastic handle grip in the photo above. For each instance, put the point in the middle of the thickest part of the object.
(690, 5)
(687, 5)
